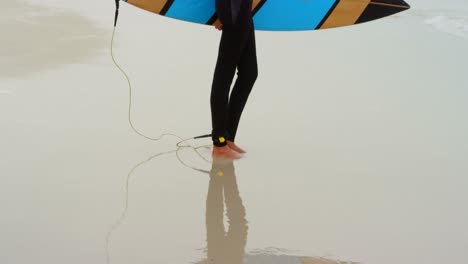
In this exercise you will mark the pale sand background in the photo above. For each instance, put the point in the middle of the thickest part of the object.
(357, 138)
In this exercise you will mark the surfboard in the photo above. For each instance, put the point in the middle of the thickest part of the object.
(282, 15)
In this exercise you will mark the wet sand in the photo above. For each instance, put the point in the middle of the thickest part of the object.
(356, 143)
(36, 38)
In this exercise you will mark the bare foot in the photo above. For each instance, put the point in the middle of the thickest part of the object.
(235, 147)
(225, 153)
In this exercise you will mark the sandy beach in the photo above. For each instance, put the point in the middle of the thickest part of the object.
(356, 137)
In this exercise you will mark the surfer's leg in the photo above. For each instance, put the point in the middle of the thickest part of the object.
(228, 58)
(222, 79)
(246, 77)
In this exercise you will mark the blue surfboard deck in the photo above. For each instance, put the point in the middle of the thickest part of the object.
(282, 15)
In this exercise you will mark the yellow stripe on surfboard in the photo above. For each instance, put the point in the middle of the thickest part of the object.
(153, 6)
(347, 12)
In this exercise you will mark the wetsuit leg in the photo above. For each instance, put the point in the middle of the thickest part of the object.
(230, 49)
(246, 77)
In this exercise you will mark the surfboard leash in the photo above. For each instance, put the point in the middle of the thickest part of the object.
(116, 16)
(117, 6)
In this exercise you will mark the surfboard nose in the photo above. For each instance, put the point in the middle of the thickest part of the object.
(381, 8)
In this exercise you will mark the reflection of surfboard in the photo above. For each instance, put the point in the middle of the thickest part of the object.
(282, 15)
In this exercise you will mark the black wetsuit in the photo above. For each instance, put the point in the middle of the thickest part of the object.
(237, 50)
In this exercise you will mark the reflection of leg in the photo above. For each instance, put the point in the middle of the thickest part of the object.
(228, 58)
(214, 217)
(247, 75)
(237, 234)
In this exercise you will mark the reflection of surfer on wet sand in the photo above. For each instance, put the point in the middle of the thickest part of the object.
(224, 245)
(227, 247)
